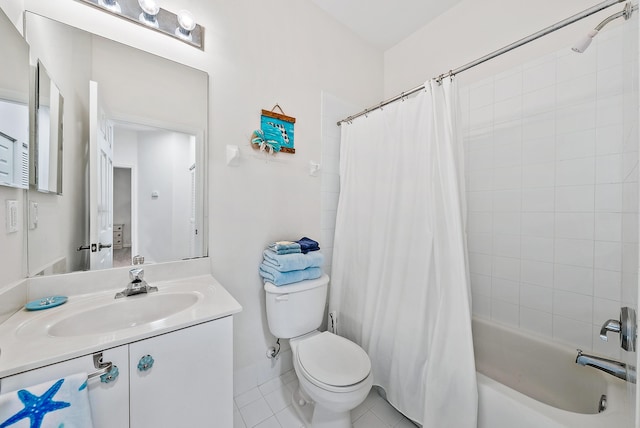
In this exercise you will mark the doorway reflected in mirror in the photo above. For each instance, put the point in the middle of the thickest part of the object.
(154, 195)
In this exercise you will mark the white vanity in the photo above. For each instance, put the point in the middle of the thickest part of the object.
(173, 350)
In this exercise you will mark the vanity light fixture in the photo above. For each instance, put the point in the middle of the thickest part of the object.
(181, 26)
(149, 13)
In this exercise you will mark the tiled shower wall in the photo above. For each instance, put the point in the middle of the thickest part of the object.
(552, 190)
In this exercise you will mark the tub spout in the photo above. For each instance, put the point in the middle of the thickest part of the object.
(615, 368)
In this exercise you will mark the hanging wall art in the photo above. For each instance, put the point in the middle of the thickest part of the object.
(275, 133)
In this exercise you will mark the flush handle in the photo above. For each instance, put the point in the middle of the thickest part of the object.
(282, 298)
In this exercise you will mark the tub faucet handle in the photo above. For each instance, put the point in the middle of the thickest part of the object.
(610, 325)
(626, 327)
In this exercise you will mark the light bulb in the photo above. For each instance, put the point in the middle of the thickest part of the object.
(112, 5)
(187, 22)
(149, 11)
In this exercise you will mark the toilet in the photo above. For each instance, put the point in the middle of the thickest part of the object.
(334, 373)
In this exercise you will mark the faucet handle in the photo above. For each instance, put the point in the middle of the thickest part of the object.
(136, 274)
(610, 325)
(626, 327)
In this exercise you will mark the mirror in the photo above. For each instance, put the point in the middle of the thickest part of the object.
(47, 147)
(134, 157)
(14, 107)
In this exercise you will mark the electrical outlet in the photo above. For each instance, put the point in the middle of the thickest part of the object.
(11, 215)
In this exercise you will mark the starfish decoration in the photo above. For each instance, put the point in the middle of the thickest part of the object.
(36, 408)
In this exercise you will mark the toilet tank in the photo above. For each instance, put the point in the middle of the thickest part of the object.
(296, 309)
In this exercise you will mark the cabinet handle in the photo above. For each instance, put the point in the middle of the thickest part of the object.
(145, 363)
(111, 375)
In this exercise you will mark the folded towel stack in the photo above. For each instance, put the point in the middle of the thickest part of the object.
(286, 262)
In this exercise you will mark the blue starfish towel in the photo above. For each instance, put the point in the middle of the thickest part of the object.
(54, 404)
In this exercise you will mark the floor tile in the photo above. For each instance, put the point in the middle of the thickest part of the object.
(372, 399)
(359, 411)
(237, 420)
(405, 423)
(369, 420)
(387, 413)
(289, 376)
(278, 399)
(272, 422)
(255, 412)
(288, 418)
(247, 397)
(293, 385)
(270, 386)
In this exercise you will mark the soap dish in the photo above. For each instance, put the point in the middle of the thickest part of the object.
(45, 303)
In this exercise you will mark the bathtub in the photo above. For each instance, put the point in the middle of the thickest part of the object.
(536, 383)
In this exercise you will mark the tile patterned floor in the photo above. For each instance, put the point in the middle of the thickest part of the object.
(269, 406)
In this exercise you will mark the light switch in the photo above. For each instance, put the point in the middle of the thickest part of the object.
(12, 215)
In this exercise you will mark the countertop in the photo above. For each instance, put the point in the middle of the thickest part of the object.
(23, 347)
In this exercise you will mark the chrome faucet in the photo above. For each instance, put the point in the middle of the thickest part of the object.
(615, 368)
(137, 285)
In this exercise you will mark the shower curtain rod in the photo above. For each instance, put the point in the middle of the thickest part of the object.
(550, 29)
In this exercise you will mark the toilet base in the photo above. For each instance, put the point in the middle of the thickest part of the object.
(315, 416)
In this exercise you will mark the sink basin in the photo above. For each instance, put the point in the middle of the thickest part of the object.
(110, 315)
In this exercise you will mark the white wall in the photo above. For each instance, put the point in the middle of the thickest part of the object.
(472, 29)
(258, 53)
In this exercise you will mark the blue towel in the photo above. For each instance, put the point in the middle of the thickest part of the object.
(284, 247)
(274, 276)
(289, 262)
(308, 244)
(53, 404)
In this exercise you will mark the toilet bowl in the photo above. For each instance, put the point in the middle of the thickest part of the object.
(334, 376)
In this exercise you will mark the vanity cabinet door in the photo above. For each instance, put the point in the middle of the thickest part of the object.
(183, 378)
(109, 401)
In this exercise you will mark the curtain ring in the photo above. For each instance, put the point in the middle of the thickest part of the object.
(366, 113)
(380, 107)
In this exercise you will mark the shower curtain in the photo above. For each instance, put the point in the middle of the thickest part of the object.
(400, 278)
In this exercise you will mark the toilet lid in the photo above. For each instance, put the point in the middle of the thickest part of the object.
(333, 360)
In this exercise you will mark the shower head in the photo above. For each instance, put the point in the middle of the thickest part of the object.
(584, 43)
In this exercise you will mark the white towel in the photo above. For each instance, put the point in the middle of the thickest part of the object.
(63, 402)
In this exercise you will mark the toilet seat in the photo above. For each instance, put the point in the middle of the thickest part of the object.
(332, 362)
